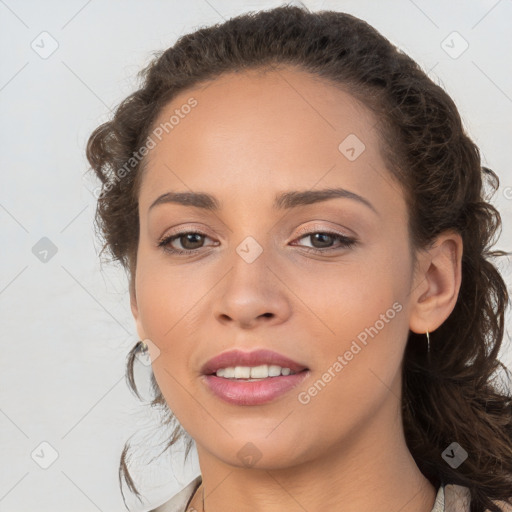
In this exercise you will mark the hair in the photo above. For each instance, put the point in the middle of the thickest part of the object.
(450, 396)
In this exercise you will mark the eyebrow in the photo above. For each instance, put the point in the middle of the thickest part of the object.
(282, 201)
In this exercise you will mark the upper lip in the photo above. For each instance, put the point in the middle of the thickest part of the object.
(259, 357)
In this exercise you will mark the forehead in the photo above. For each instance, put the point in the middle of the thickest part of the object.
(253, 131)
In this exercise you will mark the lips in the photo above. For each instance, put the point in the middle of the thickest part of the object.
(255, 358)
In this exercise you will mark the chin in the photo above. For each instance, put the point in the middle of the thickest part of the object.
(259, 451)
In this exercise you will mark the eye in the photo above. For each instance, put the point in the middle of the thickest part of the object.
(190, 240)
(324, 239)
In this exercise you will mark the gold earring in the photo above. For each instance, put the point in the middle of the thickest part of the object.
(143, 347)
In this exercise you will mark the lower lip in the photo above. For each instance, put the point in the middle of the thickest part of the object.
(240, 392)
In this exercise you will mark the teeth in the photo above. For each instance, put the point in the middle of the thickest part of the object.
(229, 373)
(253, 372)
(242, 372)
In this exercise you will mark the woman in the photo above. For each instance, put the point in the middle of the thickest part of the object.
(304, 224)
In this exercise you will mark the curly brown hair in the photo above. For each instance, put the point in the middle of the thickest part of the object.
(452, 396)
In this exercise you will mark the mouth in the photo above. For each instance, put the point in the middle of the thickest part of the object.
(252, 378)
(254, 373)
(241, 391)
(258, 364)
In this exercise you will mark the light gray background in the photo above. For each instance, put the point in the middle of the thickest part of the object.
(66, 323)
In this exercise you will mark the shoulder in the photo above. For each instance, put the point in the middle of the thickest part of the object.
(179, 501)
(457, 499)
(505, 507)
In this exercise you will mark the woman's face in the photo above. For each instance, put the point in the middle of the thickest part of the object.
(254, 281)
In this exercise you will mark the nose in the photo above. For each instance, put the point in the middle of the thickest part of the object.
(252, 295)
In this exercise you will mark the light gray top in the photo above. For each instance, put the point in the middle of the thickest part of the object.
(449, 498)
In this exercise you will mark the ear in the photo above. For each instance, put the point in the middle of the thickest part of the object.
(135, 312)
(436, 283)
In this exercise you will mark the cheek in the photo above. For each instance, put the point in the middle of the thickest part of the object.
(362, 290)
(360, 364)
(166, 295)
(169, 300)
(363, 319)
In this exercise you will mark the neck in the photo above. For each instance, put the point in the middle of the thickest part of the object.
(371, 469)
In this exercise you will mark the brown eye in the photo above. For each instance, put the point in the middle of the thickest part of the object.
(322, 240)
(190, 241)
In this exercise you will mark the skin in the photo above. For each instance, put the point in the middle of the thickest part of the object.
(251, 136)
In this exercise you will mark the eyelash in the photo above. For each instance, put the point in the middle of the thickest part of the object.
(345, 241)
